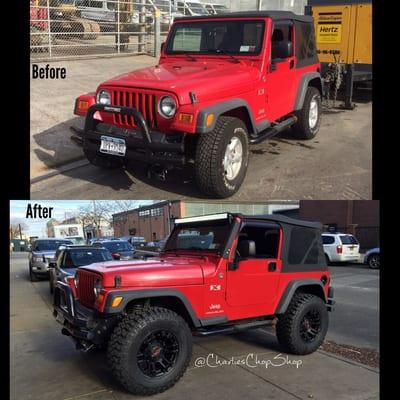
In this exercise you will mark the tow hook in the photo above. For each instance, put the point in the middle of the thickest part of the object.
(158, 172)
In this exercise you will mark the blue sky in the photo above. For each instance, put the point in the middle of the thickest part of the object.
(61, 210)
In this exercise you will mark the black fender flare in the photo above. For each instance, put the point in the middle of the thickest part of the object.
(291, 290)
(218, 110)
(302, 88)
(129, 295)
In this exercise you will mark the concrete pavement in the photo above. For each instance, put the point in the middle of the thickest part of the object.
(45, 364)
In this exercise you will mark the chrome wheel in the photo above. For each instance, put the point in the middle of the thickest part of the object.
(313, 113)
(233, 158)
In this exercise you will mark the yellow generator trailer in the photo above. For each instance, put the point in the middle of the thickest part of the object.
(343, 31)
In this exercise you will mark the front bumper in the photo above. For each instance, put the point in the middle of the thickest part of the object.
(81, 323)
(142, 144)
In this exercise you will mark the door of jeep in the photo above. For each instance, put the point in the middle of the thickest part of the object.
(254, 279)
(281, 71)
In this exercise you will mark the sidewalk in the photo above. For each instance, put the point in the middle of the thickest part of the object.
(52, 103)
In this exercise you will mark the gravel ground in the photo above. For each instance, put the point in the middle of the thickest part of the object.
(361, 355)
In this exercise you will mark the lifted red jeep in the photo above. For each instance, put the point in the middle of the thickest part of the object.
(217, 274)
(222, 83)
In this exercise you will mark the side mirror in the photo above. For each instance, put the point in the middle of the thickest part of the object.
(246, 249)
(281, 50)
(53, 265)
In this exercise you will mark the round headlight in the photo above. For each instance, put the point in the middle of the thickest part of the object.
(97, 287)
(104, 97)
(167, 107)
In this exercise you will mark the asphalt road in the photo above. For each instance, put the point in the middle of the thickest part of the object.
(45, 365)
(337, 164)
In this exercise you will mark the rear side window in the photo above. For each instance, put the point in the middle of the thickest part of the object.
(306, 51)
(348, 239)
(328, 239)
(304, 246)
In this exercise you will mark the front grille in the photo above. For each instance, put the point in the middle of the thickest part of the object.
(85, 288)
(143, 101)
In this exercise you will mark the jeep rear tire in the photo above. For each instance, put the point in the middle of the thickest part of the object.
(302, 328)
(222, 157)
(103, 160)
(150, 350)
(309, 117)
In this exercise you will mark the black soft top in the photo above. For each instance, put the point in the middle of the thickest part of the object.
(275, 15)
(282, 219)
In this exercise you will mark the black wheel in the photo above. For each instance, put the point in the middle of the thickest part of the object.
(33, 277)
(374, 261)
(150, 350)
(222, 158)
(302, 328)
(309, 117)
(103, 160)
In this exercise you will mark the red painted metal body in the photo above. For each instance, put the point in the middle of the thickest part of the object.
(215, 79)
(206, 281)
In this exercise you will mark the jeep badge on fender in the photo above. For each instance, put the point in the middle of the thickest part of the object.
(216, 274)
(237, 79)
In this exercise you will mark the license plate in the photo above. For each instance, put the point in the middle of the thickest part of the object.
(114, 146)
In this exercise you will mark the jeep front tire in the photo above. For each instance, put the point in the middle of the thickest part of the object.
(309, 117)
(150, 350)
(302, 328)
(222, 157)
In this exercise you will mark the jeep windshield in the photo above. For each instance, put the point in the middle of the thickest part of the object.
(50, 245)
(244, 38)
(207, 236)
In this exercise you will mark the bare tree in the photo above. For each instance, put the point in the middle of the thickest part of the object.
(17, 230)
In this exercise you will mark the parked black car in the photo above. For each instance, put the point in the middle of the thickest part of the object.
(119, 249)
(72, 257)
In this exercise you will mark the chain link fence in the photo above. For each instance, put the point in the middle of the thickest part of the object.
(73, 29)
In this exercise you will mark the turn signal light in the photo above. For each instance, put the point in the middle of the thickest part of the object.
(83, 105)
(100, 298)
(117, 301)
(209, 120)
(339, 249)
(186, 118)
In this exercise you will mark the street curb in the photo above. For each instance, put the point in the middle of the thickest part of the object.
(64, 168)
(347, 360)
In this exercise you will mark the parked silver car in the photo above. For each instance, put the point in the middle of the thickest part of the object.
(42, 253)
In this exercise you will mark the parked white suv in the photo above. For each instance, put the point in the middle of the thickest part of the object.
(340, 247)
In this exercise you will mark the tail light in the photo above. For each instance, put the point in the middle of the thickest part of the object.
(116, 256)
(339, 249)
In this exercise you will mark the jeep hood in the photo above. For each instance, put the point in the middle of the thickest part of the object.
(208, 79)
(155, 272)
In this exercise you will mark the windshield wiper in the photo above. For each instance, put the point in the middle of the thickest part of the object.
(220, 51)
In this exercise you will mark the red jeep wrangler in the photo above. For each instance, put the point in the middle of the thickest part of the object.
(217, 274)
(222, 83)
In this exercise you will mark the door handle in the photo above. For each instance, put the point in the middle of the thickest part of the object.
(291, 64)
(272, 267)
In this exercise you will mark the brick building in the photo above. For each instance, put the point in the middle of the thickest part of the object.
(155, 221)
(358, 217)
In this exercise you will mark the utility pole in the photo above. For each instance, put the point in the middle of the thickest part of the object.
(259, 5)
(20, 231)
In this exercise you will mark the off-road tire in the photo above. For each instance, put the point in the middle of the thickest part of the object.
(372, 261)
(32, 276)
(103, 160)
(301, 129)
(209, 156)
(288, 327)
(127, 338)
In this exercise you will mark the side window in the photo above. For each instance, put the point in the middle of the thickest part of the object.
(265, 239)
(282, 41)
(305, 41)
(304, 246)
(68, 263)
(328, 239)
